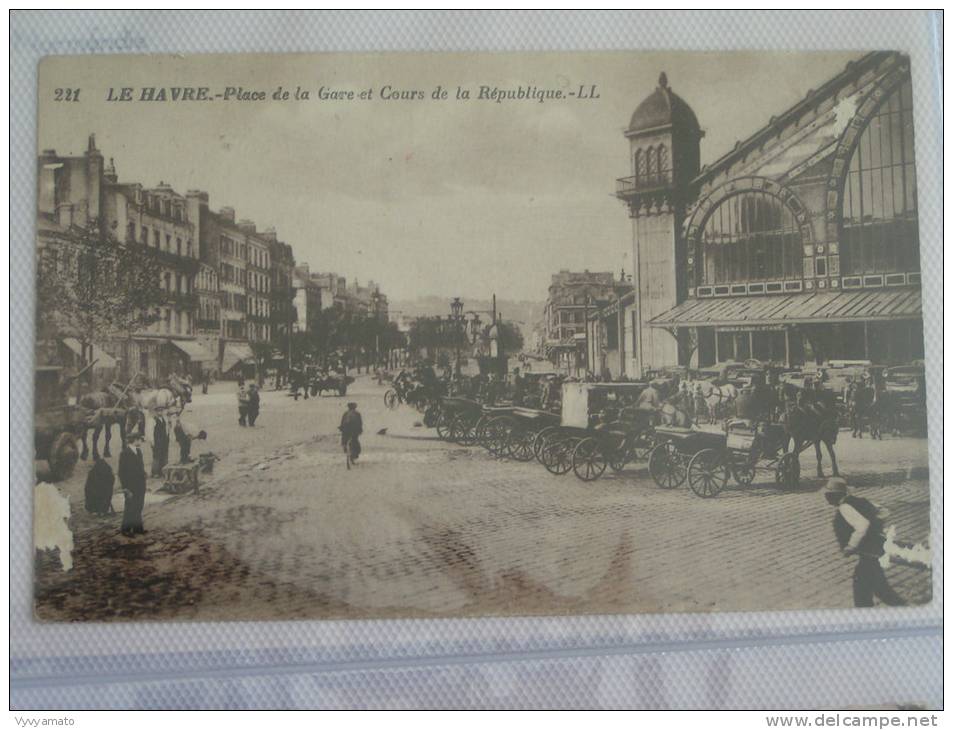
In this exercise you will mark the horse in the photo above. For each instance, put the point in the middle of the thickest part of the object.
(104, 407)
(154, 399)
(181, 387)
(675, 411)
(718, 399)
(810, 417)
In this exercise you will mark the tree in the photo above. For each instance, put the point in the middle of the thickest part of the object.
(511, 338)
(94, 288)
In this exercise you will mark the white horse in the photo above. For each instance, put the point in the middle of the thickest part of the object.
(719, 399)
(154, 400)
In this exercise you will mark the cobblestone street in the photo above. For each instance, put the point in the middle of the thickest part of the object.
(422, 528)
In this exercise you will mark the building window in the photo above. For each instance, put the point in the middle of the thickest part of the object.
(879, 200)
(178, 245)
(751, 236)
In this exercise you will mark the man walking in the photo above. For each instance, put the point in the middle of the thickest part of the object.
(132, 479)
(858, 528)
(351, 428)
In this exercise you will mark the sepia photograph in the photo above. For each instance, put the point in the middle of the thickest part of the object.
(418, 335)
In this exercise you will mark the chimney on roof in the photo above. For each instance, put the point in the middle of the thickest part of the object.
(227, 213)
(270, 234)
(246, 225)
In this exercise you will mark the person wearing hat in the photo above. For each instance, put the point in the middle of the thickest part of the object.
(351, 428)
(858, 528)
(132, 479)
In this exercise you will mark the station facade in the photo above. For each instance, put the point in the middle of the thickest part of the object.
(799, 245)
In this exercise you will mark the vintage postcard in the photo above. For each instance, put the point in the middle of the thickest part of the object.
(439, 335)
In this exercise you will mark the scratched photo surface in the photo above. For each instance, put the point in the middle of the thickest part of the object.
(442, 335)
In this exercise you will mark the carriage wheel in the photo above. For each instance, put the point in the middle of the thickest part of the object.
(432, 415)
(618, 460)
(497, 435)
(708, 472)
(643, 445)
(788, 471)
(443, 425)
(462, 430)
(743, 471)
(390, 399)
(588, 461)
(666, 467)
(63, 456)
(540, 440)
(519, 447)
(556, 455)
(480, 430)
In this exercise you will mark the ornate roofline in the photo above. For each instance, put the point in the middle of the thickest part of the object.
(854, 69)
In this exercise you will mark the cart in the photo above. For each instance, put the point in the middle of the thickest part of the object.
(614, 445)
(456, 418)
(586, 409)
(57, 424)
(707, 459)
(513, 433)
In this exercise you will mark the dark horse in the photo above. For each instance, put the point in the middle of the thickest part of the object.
(810, 417)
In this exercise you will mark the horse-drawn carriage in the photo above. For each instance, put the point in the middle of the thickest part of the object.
(599, 426)
(57, 424)
(330, 382)
(707, 459)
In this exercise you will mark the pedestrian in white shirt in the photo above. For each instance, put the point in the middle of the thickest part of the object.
(858, 527)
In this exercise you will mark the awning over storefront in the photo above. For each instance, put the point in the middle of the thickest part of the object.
(194, 351)
(236, 352)
(104, 360)
(819, 307)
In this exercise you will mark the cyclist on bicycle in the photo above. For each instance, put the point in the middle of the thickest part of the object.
(351, 428)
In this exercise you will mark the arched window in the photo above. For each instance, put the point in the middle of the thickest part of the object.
(750, 236)
(662, 166)
(650, 165)
(879, 208)
(640, 165)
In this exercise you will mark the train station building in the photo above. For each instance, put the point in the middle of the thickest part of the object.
(799, 245)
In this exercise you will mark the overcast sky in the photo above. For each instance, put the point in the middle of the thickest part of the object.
(452, 198)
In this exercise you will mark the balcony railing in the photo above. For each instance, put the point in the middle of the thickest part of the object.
(184, 301)
(628, 187)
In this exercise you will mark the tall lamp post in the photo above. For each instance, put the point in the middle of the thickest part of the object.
(456, 311)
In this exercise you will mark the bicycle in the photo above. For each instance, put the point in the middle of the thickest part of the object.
(352, 450)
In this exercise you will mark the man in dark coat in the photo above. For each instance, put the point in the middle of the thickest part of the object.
(132, 478)
(858, 528)
(99, 487)
(160, 446)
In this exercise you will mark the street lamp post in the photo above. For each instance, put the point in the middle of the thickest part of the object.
(456, 310)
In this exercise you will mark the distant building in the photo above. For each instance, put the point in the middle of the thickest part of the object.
(572, 297)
